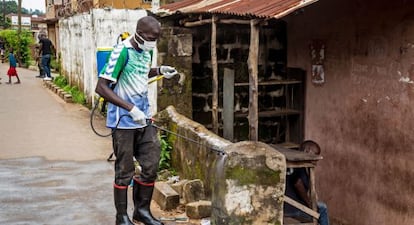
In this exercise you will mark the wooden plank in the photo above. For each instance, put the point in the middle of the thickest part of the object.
(302, 207)
(214, 107)
(252, 64)
(271, 82)
(298, 224)
(289, 145)
(208, 21)
(271, 113)
(312, 190)
(297, 156)
(228, 104)
(293, 164)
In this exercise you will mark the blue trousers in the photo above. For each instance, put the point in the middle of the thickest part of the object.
(45, 62)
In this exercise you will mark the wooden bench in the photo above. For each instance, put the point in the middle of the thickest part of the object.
(299, 159)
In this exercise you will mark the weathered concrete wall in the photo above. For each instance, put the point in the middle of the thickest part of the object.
(252, 185)
(81, 35)
(246, 183)
(362, 115)
(194, 161)
(175, 49)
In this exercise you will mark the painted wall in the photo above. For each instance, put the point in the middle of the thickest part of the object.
(362, 116)
(245, 181)
(81, 35)
(175, 49)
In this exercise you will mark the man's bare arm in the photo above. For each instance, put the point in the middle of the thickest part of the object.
(301, 190)
(102, 88)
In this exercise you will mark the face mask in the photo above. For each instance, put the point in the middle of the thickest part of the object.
(147, 45)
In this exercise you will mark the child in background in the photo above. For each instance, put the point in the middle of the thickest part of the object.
(12, 70)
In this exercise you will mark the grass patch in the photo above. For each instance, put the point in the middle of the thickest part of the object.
(77, 95)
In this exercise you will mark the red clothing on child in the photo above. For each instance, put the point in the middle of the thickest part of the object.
(12, 72)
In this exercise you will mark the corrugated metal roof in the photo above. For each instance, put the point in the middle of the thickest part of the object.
(256, 8)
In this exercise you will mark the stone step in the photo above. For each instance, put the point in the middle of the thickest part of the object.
(165, 196)
(198, 210)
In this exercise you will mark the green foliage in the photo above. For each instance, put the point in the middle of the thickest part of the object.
(166, 148)
(54, 64)
(60, 81)
(20, 44)
(5, 24)
(11, 6)
(77, 95)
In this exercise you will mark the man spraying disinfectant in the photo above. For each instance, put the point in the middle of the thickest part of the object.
(127, 115)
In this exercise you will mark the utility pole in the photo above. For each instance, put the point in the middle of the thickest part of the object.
(19, 30)
(4, 14)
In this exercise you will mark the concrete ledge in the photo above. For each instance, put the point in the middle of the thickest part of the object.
(58, 91)
(68, 98)
(198, 210)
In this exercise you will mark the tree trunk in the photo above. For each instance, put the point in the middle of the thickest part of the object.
(19, 31)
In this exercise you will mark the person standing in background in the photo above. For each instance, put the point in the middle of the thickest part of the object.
(45, 50)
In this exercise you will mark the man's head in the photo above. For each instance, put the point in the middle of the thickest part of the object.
(42, 36)
(147, 32)
(310, 146)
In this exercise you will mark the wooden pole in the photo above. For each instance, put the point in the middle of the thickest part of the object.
(19, 32)
(252, 64)
(215, 74)
(4, 14)
(228, 104)
(222, 21)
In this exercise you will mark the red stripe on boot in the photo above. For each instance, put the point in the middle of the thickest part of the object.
(120, 187)
(143, 183)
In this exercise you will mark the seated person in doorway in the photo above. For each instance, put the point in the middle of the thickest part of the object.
(297, 188)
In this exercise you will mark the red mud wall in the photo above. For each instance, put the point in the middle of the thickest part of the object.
(363, 115)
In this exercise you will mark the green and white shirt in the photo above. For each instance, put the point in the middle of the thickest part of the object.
(128, 69)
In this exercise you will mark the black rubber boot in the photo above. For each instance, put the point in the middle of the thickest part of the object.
(142, 200)
(121, 203)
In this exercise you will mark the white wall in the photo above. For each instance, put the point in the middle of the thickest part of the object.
(81, 35)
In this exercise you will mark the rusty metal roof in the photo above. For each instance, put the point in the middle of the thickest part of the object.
(255, 8)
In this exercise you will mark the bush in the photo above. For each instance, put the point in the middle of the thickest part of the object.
(20, 44)
(165, 161)
(77, 96)
(61, 81)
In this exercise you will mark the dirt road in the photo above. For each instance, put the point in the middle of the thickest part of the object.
(53, 167)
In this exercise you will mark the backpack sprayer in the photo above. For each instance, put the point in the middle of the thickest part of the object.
(150, 122)
(103, 102)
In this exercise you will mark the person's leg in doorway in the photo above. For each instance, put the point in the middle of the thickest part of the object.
(323, 214)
